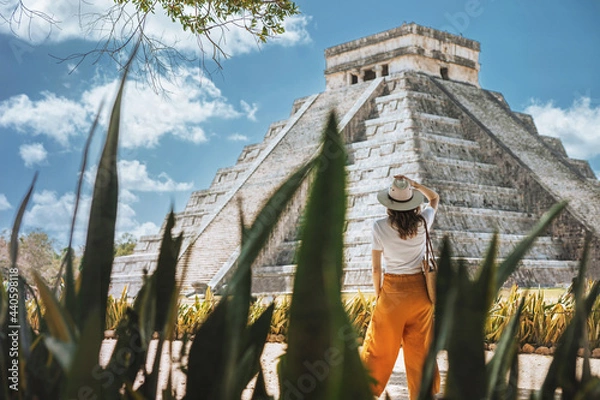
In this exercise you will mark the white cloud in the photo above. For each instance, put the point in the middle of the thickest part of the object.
(577, 126)
(52, 213)
(32, 154)
(4, 204)
(249, 110)
(133, 176)
(56, 117)
(295, 31)
(147, 228)
(79, 20)
(125, 195)
(236, 137)
(147, 117)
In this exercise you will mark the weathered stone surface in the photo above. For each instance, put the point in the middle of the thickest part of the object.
(493, 171)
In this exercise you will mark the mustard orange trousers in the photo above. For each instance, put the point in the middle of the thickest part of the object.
(403, 317)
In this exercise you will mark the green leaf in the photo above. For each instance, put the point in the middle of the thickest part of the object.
(512, 390)
(164, 275)
(98, 254)
(257, 235)
(591, 390)
(63, 351)
(447, 293)
(506, 351)
(466, 361)
(83, 379)
(206, 361)
(238, 290)
(484, 288)
(59, 322)
(562, 370)
(318, 327)
(150, 388)
(510, 264)
(145, 307)
(24, 327)
(128, 356)
(252, 347)
(70, 294)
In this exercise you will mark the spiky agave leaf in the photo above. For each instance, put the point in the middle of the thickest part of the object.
(69, 297)
(562, 371)
(320, 336)
(165, 273)
(504, 359)
(510, 263)
(24, 328)
(85, 371)
(99, 246)
(447, 292)
(218, 346)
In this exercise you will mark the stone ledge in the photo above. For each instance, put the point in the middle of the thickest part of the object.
(403, 30)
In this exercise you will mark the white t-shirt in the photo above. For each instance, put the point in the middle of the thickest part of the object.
(401, 256)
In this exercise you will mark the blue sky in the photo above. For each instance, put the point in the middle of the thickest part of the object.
(543, 56)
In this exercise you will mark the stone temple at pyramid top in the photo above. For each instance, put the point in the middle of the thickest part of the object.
(409, 47)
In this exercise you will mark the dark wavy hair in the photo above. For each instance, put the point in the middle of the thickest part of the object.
(405, 222)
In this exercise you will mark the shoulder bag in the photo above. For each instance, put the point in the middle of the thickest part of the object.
(429, 266)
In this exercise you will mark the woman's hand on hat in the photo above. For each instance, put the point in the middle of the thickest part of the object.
(412, 183)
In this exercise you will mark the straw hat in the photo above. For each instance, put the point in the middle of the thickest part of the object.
(400, 196)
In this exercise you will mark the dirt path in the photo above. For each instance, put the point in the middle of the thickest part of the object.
(532, 370)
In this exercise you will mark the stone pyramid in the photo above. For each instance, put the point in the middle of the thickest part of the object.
(408, 101)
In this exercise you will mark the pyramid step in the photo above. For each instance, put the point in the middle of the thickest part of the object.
(444, 126)
(433, 146)
(452, 217)
(403, 99)
(420, 102)
(486, 220)
(402, 94)
(464, 244)
(273, 279)
(464, 194)
(472, 172)
(450, 141)
(286, 252)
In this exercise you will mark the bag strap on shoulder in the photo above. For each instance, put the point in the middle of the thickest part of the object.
(429, 255)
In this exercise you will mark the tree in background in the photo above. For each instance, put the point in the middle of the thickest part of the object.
(123, 22)
(36, 253)
(125, 244)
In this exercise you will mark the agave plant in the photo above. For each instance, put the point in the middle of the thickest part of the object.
(461, 312)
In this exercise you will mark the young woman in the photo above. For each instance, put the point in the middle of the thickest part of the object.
(403, 315)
